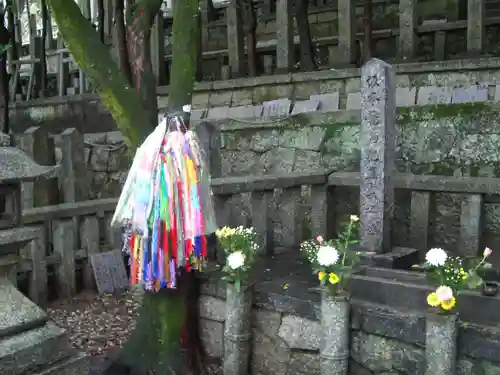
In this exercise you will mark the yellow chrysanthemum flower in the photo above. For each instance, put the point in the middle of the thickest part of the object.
(333, 278)
(321, 275)
(448, 305)
(433, 300)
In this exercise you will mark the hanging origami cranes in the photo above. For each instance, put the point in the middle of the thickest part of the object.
(165, 206)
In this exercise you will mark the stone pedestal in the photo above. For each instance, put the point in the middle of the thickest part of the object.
(29, 343)
(237, 332)
(334, 349)
(441, 334)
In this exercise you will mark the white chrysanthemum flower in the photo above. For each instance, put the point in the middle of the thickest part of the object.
(236, 260)
(327, 256)
(444, 293)
(186, 108)
(436, 257)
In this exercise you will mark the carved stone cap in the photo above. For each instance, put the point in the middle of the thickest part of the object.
(16, 166)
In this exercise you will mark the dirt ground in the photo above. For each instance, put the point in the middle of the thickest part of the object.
(96, 324)
(100, 325)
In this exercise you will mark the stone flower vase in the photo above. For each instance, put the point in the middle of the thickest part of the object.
(237, 330)
(441, 331)
(335, 322)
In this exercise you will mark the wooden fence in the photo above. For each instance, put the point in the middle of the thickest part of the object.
(284, 209)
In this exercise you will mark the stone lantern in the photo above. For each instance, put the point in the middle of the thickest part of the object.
(15, 168)
(29, 343)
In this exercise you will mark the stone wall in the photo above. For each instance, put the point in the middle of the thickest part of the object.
(384, 341)
(106, 160)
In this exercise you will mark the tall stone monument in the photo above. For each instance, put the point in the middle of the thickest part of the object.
(378, 130)
(29, 343)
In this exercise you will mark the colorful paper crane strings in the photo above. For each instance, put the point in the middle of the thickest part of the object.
(165, 207)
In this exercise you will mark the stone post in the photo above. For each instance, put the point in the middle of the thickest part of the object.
(378, 129)
(235, 39)
(441, 332)
(347, 32)
(237, 332)
(334, 347)
(475, 26)
(284, 36)
(407, 26)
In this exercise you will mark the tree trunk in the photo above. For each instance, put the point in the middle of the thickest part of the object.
(121, 36)
(95, 60)
(43, 52)
(185, 41)
(367, 30)
(307, 61)
(100, 20)
(154, 345)
(140, 18)
(12, 32)
(4, 76)
(250, 26)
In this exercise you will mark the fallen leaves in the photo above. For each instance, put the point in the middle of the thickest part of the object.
(96, 324)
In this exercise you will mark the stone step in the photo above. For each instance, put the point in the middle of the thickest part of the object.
(77, 364)
(29, 350)
(18, 314)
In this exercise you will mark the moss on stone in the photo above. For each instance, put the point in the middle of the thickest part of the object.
(407, 115)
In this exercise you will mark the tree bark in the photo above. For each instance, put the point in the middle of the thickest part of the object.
(185, 41)
(95, 60)
(121, 36)
(307, 61)
(100, 20)
(250, 26)
(4, 76)
(140, 18)
(14, 53)
(43, 51)
(367, 30)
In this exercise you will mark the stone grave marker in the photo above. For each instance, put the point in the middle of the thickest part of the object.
(217, 113)
(353, 101)
(471, 94)
(497, 93)
(109, 271)
(244, 111)
(327, 102)
(276, 108)
(304, 106)
(405, 96)
(433, 95)
(378, 130)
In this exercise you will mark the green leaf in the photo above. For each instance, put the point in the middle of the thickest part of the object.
(473, 281)
(238, 285)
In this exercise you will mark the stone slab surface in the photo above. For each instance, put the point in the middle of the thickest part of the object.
(473, 94)
(78, 364)
(304, 106)
(328, 102)
(17, 313)
(434, 95)
(27, 351)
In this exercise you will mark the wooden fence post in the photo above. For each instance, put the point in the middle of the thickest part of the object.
(38, 290)
(64, 241)
(89, 239)
(73, 176)
(36, 143)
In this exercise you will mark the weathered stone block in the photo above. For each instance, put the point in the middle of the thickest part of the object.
(270, 355)
(212, 308)
(300, 333)
(212, 337)
(267, 321)
(309, 138)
